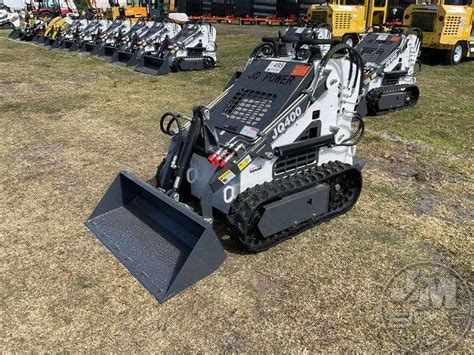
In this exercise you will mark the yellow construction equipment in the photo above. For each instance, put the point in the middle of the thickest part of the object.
(127, 9)
(54, 25)
(349, 18)
(135, 10)
(447, 25)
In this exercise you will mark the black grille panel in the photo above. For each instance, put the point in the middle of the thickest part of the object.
(318, 17)
(424, 20)
(390, 80)
(370, 54)
(249, 106)
(299, 160)
(294, 161)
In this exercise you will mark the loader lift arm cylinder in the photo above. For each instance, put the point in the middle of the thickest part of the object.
(187, 150)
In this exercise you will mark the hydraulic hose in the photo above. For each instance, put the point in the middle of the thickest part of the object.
(167, 130)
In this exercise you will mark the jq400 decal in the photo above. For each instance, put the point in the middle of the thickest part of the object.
(287, 122)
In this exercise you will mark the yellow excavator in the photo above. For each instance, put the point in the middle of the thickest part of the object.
(447, 26)
(349, 18)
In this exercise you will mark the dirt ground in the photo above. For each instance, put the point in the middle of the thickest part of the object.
(69, 123)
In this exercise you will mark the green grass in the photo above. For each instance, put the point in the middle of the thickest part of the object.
(69, 123)
(443, 116)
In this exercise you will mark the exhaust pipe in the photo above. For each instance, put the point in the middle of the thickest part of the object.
(164, 244)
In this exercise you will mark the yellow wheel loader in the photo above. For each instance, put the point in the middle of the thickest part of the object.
(349, 18)
(447, 26)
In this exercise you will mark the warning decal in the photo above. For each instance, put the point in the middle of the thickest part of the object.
(226, 177)
(244, 162)
(300, 70)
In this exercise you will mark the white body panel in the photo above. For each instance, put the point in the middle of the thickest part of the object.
(336, 108)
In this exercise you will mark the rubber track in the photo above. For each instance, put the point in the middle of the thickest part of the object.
(243, 217)
(374, 95)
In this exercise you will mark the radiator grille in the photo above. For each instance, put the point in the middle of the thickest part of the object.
(391, 80)
(424, 20)
(249, 106)
(342, 21)
(370, 55)
(452, 26)
(298, 160)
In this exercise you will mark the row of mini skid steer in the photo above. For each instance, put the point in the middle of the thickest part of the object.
(151, 46)
(273, 155)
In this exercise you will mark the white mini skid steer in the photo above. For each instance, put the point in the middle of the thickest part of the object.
(390, 69)
(147, 42)
(193, 48)
(9, 19)
(274, 154)
(71, 33)
(92, 35)
(123, 39)
(81, 35)
(94, 44)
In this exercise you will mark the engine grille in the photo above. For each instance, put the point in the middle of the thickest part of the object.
(391, 80)
(424, 20)
(452, 26)
(342, 21)
(298, 160)
(370, 54)
(249, 106)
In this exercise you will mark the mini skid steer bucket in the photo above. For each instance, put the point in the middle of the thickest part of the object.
(15, 34)
(88, 47)
(154, 65)
(122, 57)
(163, 243)
(39, 38)
(69, 44)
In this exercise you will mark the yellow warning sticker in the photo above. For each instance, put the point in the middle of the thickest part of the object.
(244, 162)
(226, 177)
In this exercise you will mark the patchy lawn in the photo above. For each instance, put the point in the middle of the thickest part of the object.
(70, 122)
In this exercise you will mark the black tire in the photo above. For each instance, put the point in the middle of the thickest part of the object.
(456, 54)
(350, 39)
(209, 63)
